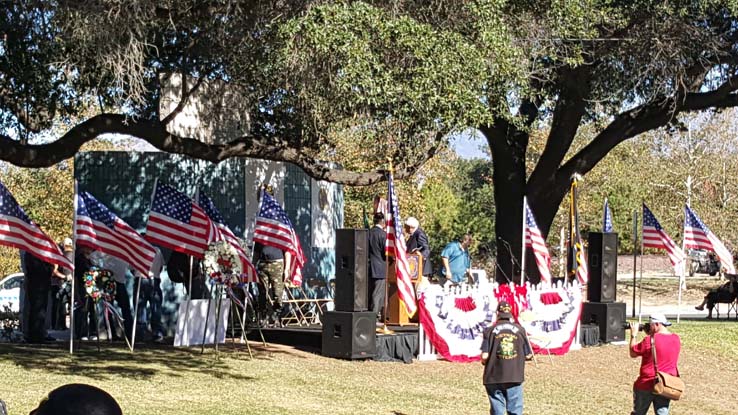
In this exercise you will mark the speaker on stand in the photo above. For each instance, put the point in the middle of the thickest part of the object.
(603, 267)
(352, 261)
(349, 335)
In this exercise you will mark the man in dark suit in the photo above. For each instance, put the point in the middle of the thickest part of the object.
(417, 241)
(38, 284)
(377, 265)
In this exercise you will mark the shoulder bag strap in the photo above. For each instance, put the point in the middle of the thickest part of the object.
(653, 351)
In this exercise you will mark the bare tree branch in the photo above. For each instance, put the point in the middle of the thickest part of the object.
(155, 133)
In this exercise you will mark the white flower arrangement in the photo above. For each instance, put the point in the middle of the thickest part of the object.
(222, 263)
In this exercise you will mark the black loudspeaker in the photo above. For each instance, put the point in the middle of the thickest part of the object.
(603, 267)
(349, 335)
(352, 262)
(608, 316)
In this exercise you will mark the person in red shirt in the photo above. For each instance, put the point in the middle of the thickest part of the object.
(668, 345)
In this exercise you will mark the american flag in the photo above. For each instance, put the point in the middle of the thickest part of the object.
(698, 236)
(395, 246)
(380, 205)
(100, 229)
(17, 230)
(177, 223)
(273, 228)
(535, 240)
(223, 233)
(606, 218)
(654, 236)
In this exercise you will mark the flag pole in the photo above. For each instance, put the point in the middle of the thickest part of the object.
(137, 297)
(604, 216)
(74, 255)
(522, 256)
(385, 330)
(562, 250)
(635, 259)
(640, 280)
(682, 276)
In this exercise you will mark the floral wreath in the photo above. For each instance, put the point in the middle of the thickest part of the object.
(222, 263)
(99, 284)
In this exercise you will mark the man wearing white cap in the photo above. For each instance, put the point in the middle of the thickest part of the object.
(417, 241)
(668, 346)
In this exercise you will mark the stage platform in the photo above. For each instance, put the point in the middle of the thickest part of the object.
(401, 345)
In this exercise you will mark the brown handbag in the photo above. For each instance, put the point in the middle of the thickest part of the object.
(665, 385)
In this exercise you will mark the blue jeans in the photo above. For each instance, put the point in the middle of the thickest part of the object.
(642, 401)
(505, 398)
(149, 310)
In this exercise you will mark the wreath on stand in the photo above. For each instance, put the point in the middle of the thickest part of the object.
(100, 284)
(222, 264)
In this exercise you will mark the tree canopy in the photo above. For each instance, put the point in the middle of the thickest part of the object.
(395, 76)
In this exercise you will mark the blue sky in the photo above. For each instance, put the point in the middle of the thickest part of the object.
(468, 143)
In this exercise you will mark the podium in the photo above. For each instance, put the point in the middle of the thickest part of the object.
(396, 313)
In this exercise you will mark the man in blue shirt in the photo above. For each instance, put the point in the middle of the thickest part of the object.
(456, 260)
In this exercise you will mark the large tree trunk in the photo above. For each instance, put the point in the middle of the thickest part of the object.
(507, 146)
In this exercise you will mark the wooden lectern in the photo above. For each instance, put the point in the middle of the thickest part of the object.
(396, 312)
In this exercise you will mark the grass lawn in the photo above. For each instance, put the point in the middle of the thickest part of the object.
(281, 380)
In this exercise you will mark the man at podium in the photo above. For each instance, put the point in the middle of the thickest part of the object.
(417, 241)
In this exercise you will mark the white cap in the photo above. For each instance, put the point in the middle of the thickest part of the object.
(659, 318)
(412, 222)
(67, 242)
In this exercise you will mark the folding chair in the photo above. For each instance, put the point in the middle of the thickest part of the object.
(543, 343)
(734, 308)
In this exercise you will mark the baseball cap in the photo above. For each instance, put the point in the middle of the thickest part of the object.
(660, 318)
(504, 310)
(67, 242)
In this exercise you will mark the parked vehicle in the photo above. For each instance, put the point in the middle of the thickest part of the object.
(10, 288)
(703, 262)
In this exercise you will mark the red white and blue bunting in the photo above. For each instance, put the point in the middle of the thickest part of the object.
(454, 319)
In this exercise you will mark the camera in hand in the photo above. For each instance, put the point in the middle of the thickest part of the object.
(641, 327)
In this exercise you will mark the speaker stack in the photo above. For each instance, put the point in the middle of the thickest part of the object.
(602, 309)
(350, 331)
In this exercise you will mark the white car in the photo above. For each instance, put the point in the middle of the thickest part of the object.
(10, 291)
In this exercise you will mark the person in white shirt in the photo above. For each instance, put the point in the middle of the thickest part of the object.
(150, 295)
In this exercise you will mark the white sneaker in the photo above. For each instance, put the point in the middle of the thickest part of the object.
(93, 338)
(84, 338)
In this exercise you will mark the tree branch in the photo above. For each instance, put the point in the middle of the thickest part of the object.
(183, 98)
(644, 118)
(155, 133)
(568, 113)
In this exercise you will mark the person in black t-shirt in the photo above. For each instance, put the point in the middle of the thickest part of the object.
(504, 352)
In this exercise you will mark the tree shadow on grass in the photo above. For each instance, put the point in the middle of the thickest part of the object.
(114, 361)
